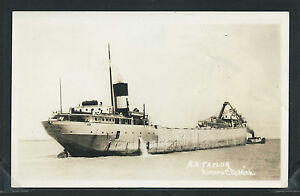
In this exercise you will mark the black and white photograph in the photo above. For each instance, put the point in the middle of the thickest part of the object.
(150, 99)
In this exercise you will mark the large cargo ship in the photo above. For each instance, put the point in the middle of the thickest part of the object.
(93, 129)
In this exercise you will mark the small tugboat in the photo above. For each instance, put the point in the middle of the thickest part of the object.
(256, 140)
(253, 139)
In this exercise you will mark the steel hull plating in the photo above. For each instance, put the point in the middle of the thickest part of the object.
(97, 139)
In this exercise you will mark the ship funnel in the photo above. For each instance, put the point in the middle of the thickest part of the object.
(249, 130)
(121, 98)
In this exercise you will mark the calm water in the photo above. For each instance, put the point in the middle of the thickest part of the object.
(37, 163)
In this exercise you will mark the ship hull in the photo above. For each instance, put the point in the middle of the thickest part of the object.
(97, 139)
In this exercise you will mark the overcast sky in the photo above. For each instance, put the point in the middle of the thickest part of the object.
(183, 66)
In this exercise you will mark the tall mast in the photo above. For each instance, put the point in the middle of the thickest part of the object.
(110, 81)
(60, 96)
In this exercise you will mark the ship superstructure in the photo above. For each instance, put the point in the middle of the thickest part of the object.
(228, 117)
(94, 129)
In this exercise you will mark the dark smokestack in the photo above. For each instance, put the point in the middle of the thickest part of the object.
(121, 98)
(249, 130)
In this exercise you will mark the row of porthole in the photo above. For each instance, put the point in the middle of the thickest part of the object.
(109, 119)
(88, 109)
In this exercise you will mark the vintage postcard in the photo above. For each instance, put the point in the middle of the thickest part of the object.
(150, 99)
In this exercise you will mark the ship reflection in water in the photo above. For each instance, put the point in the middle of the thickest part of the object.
(93, 129)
